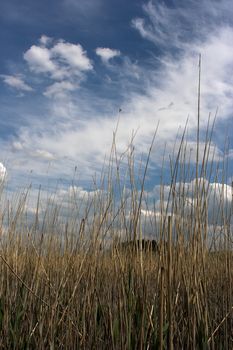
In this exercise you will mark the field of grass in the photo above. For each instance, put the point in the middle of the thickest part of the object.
(60, 298)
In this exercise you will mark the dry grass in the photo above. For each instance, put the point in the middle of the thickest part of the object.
(99, 300)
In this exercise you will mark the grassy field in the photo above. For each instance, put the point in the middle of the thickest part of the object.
(53, 298)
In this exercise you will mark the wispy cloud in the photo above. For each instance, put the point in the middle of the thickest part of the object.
(43, 154)
(16, 82)
(182, 33)
(17, 146)
(60, 89)
(174, 26)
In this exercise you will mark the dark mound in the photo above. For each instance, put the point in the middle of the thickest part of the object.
(147, 245)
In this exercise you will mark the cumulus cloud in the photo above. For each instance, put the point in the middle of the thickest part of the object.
(73, 55)
(64, 63)
(39, 60)
(16, 82)
(214, 197)
(106, 54)
(61, 60)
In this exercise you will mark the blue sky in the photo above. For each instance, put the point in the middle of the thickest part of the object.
(68, 66)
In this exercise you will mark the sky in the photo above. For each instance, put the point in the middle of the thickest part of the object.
(75, 71)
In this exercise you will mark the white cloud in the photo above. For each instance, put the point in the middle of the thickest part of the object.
(106, 54)
(39, 59)
(45, 40)
(2, 172)
(60, 60)
(16, 82)
(73, 55)
(220, 191)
